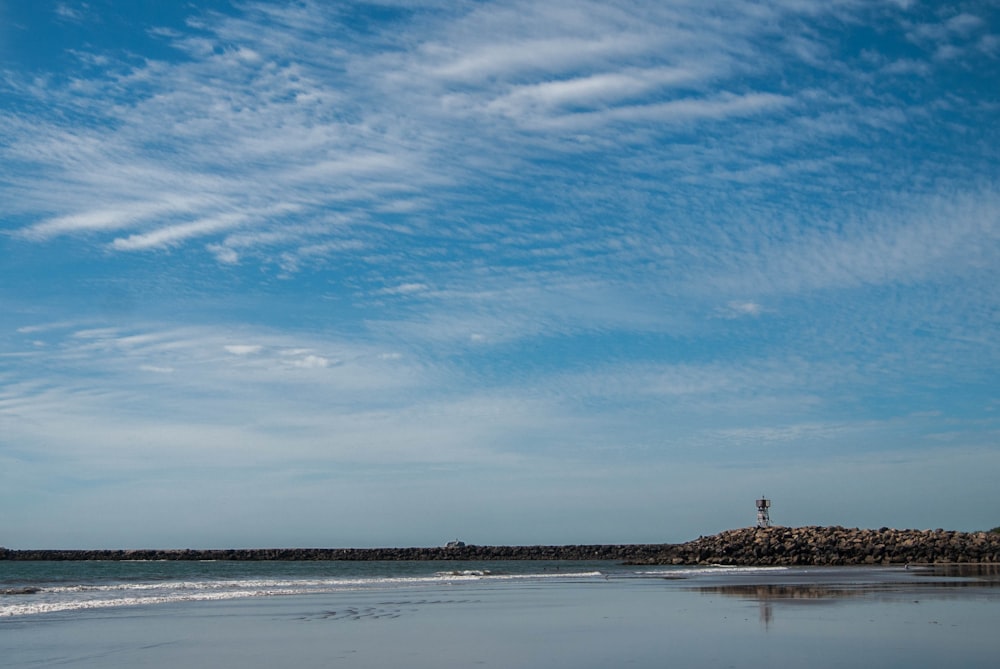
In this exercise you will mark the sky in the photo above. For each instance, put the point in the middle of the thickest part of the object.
(330, 274)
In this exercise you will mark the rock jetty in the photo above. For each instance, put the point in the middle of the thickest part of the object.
(833, 546)
(620, 552)
(748, 546)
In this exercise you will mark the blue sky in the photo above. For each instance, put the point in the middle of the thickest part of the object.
(342, 274)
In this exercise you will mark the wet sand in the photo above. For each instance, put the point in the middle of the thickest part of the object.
(807, 617)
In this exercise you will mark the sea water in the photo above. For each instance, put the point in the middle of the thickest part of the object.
(501, 614)
(48, 587)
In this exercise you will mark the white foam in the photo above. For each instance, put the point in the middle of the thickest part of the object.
(91, 596)
(712, 570)
(80, 604)
(475, 574)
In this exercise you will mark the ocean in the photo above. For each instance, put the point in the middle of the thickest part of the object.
(500, 614)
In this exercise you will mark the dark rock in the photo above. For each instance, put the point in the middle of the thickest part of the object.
(835, 546)
(748, 546)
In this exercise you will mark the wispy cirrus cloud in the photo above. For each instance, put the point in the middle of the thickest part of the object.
(175, 234)
(123, 215)
(384, 405)
(933, 238)
(240, 126)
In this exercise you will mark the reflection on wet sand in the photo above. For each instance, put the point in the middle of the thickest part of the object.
(817, 587)
(773, 592)
(797, 585)
(981, 571)
(766, 614)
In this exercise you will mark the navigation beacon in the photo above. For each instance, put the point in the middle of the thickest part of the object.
(763, 517)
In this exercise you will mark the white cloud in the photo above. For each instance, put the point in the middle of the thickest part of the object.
(537, 56)
(64, 11)
(921, 240)
(963, 24)
(257, 147)
(948, 39)
(741, 309)
(310, 362)
(224, 254)
(31, 329)
(96, 333)
(597, 89)
(156, 369)
(406, 289)
(125, 214)
(174, 234)
(244, 349)
(907, 66)
(989, 45)
(262, 127)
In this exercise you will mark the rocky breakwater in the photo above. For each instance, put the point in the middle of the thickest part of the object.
(833, 546)
(748, 546)
(619, 552)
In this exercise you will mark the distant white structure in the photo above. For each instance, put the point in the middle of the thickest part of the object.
(763, 516)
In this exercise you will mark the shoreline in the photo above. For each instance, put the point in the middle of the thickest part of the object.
(881, 617)
(770, 546)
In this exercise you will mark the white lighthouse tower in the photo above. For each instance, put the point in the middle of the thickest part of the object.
(763, 516)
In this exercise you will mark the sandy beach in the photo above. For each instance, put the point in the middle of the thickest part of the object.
(737, 617)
